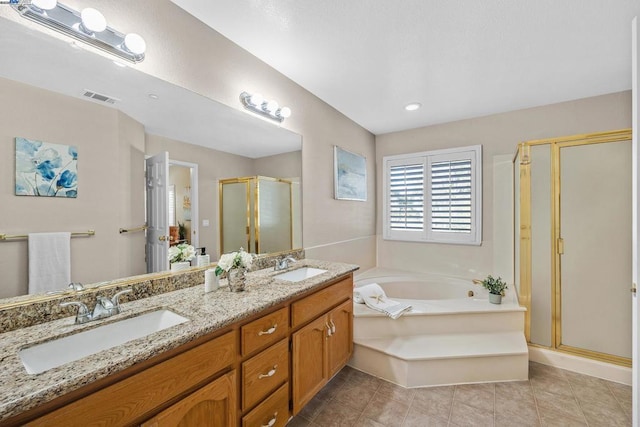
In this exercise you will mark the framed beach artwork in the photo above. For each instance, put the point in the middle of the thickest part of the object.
(350, 175)
(46, 170)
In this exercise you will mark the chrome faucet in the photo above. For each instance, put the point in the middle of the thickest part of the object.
(283, 263)
(104, 307)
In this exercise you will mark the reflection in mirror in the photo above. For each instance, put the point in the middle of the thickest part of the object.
(258, 213)
(113, 139)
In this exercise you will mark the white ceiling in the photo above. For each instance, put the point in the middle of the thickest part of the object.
(35, 58)
(459, 58)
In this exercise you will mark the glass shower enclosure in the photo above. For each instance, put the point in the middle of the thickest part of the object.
(257, 213)
(572, 207)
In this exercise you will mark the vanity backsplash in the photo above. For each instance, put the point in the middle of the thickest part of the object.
(21, 313)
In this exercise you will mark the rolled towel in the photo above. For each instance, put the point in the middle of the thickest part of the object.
(374, 297)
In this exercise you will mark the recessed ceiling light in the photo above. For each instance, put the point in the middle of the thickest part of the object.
(413, 106)
(153, 96)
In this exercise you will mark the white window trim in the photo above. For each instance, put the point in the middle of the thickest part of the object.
(474, 153)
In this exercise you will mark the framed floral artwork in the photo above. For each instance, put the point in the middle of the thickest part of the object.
(46, 170)
(350, 175)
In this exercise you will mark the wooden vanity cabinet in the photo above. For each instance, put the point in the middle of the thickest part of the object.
(255, 374)
(129, 400)
(321, 348)
(340, 343)
(214, 405)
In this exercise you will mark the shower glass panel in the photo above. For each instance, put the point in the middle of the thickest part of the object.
(234, 216)
(541, 255)
(595, 240)
(275, 215)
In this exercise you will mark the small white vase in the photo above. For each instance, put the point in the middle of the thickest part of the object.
(495, 299)
(180, 266)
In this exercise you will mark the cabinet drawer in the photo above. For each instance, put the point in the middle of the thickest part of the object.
(273, 412)
(314, 305)
(264, 331)
(125, 401)
(264, 373)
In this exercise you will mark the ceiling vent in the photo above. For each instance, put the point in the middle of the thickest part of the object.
(100, 97)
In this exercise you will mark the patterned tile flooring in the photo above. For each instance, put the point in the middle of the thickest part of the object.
(551, 397)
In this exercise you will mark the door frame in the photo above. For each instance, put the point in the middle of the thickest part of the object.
(195, 231)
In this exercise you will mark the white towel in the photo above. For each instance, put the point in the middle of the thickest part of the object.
(374, 297)
(49, 261)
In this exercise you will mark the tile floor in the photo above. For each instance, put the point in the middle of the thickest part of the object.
(551, 397)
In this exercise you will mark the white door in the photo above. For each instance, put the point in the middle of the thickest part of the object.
(635, 54)
(157, 212)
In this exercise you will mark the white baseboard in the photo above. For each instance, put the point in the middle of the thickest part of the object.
(607, 371)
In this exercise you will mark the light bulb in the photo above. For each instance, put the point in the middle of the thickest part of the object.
(256, 99)
(135, 44)
(92, 20)
(285, 112)
(413, 106)
(45, 4)
(272, 106)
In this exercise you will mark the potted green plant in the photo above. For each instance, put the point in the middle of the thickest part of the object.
(182, 231)
(496, 289)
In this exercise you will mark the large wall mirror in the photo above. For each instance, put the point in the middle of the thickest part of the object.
(45, 89)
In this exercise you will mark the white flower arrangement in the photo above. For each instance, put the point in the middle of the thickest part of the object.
(181, 252)
(240, 259)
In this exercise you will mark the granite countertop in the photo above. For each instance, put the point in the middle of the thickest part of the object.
(208, 312)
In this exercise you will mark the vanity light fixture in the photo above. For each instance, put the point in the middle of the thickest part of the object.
(413, 106)
(89, 26)
(270, 109)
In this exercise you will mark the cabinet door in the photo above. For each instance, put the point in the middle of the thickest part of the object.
(341, 341)
(214, 405)
(309, 358)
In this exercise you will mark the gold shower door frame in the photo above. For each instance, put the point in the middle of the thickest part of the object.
(523, 154)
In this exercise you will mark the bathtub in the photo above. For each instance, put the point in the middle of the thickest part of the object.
(430, 293)
(452, 335)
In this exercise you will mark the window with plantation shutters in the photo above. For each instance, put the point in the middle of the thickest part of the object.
(434, 196)
(406, 197)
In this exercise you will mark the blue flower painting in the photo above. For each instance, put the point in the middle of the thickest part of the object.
(45, 169)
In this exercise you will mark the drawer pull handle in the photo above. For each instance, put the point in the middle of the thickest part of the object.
(333, 327)
(272, 421)
(268, 331)
(329, 333)
(271, 373)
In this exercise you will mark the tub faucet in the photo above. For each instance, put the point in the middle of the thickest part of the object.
(283, 263)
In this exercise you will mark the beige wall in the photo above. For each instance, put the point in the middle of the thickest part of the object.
(109, 145)
(287, 165)
(183, 51)
(498, 135)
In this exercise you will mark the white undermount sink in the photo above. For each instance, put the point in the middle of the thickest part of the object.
(54, 353)
(300, 274)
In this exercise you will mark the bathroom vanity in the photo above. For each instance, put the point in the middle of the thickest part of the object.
(243, 359)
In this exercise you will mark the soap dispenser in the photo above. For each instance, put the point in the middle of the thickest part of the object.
(202, 259)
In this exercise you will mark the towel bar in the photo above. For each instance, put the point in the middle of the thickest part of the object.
(132, 230)
(24, 236)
